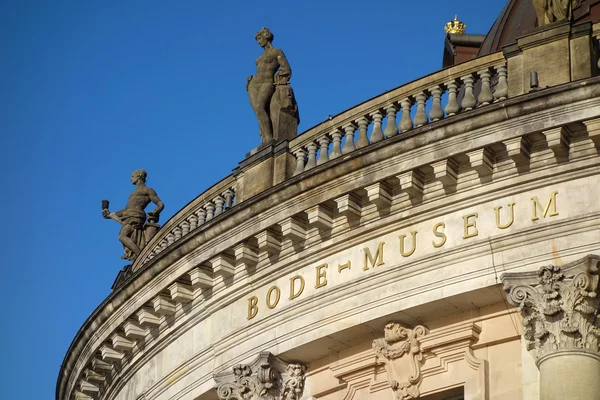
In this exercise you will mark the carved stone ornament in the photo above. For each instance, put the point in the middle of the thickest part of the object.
(267, 378)
(400, 351)
(560, 306)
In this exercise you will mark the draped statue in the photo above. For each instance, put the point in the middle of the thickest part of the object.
(548, 11)
(270, 93)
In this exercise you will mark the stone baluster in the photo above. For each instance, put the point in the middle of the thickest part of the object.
(436, 113)
(377, 134)
(185, 228)
(336, 151)
(362, 140)
(452, 107)
(177, 233)
(219, 203)
(170, 239)
(312, 156)
(201, 214)
(324, 147)
(349, 144)
(405, 123)
(485, 95)
(468, 101)
(501, 91)
(300, 156)
(390, 128)
(193, 222)
(421, 116)
(229, 195)
(164, 244)
(210, 211)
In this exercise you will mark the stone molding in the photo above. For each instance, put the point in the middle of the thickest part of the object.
(147, 288)
(402, 354)
(444, 352)
(267, 378)
(560, 307)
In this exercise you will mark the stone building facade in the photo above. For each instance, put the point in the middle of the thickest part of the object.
(439, 241)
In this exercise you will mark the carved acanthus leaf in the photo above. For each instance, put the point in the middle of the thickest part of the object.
(267, 378)
(400, 351)
(560, 310)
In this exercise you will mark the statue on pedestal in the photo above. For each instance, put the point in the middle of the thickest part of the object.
(270, 93)
(548, 11)
(135, 231)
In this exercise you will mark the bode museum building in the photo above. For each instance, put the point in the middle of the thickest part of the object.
(440, 241)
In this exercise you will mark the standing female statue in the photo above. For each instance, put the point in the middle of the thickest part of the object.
(271, 97)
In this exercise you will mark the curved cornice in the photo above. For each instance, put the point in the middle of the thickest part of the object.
(569, 103)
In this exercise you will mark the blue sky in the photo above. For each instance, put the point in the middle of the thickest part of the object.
(91, 91)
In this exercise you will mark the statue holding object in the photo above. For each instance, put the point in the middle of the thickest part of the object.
(270, 93)
(136, 231)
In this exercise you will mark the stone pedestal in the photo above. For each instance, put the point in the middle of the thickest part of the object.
(560, 307)
(558, 52)
(263, 168)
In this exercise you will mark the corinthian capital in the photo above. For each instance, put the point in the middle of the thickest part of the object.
(267, 378)
(559, 305)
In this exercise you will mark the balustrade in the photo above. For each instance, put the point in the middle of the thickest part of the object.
(203, 212)
(457, 89)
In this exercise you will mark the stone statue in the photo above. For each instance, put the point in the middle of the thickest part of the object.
(135, 231)
(548, 11)
(270, 93)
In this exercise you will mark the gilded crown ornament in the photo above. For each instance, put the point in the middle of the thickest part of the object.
(455, 26)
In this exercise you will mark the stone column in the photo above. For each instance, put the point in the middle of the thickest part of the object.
(266, 378)
(561, 328)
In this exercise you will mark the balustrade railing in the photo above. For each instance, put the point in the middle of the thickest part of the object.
(462, 88)
(215, 201)
(435, 97)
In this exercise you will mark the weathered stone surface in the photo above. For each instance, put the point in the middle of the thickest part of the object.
(401, 352)
(270, 93)
(267, 377)
(135, 231)
(560, 306)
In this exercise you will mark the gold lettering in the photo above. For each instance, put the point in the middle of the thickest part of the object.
(439, 234)
(278, 294)
(293, 293)
(342, 267)
(537, 204)
(414, 244)
(375, 261)
(511, 207)
(469, 224)
(321, 276)
(252, 307)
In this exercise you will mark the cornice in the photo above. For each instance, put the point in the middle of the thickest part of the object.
(322, 179)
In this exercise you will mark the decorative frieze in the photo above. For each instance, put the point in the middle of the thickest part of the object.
(401, 352)
(267, 377)
(560, 306)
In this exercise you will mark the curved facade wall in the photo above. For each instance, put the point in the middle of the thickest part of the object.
(373, 273)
